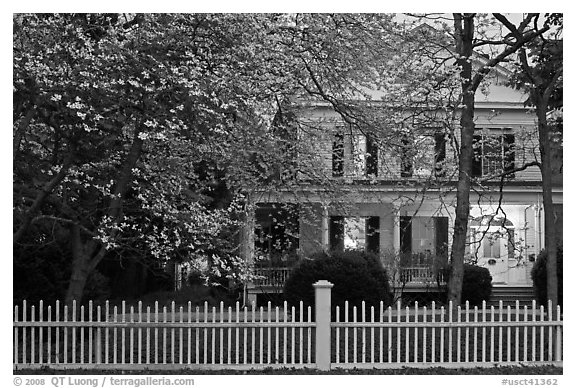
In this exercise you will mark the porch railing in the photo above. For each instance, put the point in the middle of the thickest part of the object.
(277, 276)
(272, 276)
(421, 274)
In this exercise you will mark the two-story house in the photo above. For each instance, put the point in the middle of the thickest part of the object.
(397, 198)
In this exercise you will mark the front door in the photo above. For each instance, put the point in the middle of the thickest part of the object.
(494, 256)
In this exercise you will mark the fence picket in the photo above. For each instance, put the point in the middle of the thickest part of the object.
(355, 335)
(398, 333)
(407, 339)
(123, 333)
(181, 332)
(189, 339)
(57, 319)
(558, 335)
(221, 353)
(424, 332)
(106, 332)
(416, 312)
(346, 307)
(517, 333)
(433, 334)
(49, 335)
(40, 333)
(140, 332)
(32, 336)
(82, 335)
(131, 349)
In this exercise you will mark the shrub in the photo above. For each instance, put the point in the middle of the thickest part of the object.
(477, 284)
(539, 274)
(357, 276)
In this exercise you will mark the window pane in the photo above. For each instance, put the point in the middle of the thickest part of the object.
(355, 233)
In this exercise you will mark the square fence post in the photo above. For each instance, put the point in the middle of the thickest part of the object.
(322, 292)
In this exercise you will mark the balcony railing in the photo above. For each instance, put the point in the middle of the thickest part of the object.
(421, 275)
(271, 277)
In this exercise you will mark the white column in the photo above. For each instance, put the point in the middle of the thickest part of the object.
(325, 227)
(247, 248)
(396, 234)
(322, 292)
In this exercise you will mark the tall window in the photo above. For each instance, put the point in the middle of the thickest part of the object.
(277, 230)
(424, 240)
(371, 156)
(338, 155)
(359, 233)
(493, 154)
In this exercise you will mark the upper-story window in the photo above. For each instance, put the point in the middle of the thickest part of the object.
(354, 155)
(423, 155)
(493, 153)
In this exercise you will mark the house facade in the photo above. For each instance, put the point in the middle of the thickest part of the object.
(397, 199)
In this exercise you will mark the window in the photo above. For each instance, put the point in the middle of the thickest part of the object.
(423, 155)
(491, 237)
(338, 155)
(361, 233)
(493, 154)
(371, 156)
(277, 229)
(423, 240)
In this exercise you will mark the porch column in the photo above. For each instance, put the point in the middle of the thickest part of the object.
(396, 235)
(396, 263)
(247, 248)
(325, 219)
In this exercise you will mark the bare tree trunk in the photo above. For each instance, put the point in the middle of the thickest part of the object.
(549, 224)
(464, 34)
(87, 255)
(80, 267)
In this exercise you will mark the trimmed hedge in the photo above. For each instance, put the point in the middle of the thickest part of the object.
(357, 276)
(539, 274)
(477, 285)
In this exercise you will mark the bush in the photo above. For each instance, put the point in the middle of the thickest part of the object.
(539, 274)
(477, 285)
(357, 276)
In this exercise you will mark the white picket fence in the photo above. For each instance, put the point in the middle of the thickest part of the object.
(176, 337)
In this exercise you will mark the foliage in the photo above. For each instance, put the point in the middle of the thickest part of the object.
(357, 276)
(539, 278)
(477, 284)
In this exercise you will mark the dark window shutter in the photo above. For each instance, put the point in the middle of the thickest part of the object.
(477, 156)
(441, 227)
(371, 156)
(338, 155)
(439, 154)
(336, 233)
(406, 234)
(373, 234)
(509, 154)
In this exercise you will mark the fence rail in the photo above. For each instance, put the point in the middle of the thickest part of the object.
(226, 337)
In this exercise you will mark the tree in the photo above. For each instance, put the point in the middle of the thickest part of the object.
(113, 115)
(465, 43)
(540, 69)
